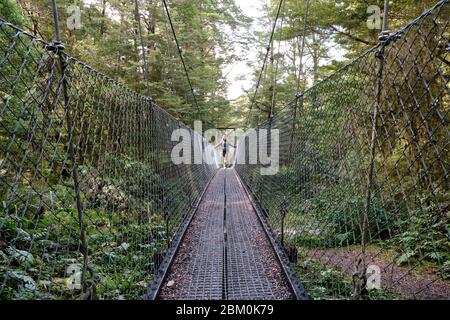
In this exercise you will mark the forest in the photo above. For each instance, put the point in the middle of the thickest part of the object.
(87, 183)
(109, 31)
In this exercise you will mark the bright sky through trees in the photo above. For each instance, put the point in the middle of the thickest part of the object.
(240, 74)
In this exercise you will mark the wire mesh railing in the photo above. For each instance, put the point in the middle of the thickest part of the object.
(90, 199)
(361, 199)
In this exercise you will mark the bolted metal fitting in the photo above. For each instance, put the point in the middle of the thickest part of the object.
(56, 47)
(384, 36)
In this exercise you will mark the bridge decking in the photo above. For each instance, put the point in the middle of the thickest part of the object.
(225, 253)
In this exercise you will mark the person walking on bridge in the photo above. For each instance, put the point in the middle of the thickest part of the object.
(224, 145)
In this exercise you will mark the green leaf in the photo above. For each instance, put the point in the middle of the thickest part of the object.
(23, 257)
(24, 280)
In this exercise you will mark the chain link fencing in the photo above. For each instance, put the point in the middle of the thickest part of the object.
(90, 199)
(362, 195)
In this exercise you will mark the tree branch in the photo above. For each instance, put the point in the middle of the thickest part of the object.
(351, 36)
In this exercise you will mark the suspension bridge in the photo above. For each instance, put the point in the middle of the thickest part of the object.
(93, 206)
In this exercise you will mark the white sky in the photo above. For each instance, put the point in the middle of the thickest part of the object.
(254, 10)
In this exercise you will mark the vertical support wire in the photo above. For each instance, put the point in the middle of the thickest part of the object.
(299, 78)
(141, 38)
(264, 65)
(360, 280)
(180, 52)
(274, 89)
(70, 128)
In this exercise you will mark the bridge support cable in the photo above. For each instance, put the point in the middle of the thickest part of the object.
(266, 57)
(360, 277)
(368, 163)
(89, 194)
(298, 100)
(274, 84)
(180, 52)
(59, 50)
(141, 39)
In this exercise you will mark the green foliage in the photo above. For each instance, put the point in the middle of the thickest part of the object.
(424, 236)
(35, 263)
(125, 213)
(109, 31)
(333, 219)
(11, 12)
(323, 283)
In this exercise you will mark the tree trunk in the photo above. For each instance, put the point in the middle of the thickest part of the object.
(102, 25)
